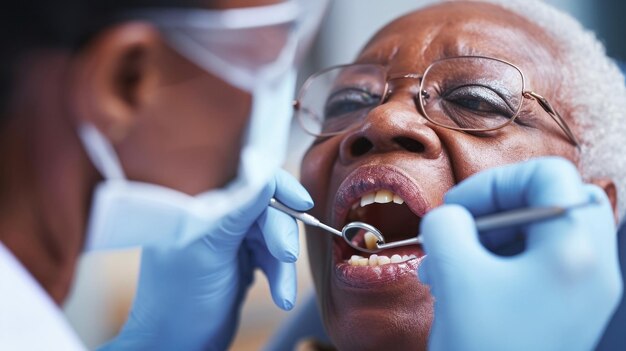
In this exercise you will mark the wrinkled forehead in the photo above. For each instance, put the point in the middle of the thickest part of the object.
(412, 42)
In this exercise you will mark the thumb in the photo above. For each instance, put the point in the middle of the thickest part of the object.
(451, 244)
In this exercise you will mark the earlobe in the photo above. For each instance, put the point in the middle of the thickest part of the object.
(112, 77)
(611, 192)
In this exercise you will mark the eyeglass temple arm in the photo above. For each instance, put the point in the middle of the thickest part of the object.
(543, 102)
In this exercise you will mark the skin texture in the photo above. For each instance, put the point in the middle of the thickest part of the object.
(400, 313)
(171, 123)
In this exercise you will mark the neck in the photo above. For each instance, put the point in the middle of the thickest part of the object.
(46, 180)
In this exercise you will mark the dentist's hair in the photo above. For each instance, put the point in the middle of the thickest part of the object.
(42, 24)
(591, 91)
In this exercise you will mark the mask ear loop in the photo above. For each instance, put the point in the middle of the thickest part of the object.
(100, 152)
(285, 60)
(202, 57)
(238, 18)
(240, 78)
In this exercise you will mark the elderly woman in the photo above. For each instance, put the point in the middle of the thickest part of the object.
(435, 97)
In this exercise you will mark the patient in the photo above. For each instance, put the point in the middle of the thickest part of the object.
(433, 98)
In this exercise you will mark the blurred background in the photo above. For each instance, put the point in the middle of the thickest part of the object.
(106, 282)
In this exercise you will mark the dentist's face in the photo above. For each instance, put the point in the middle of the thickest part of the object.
(189, 128)
(395, 149)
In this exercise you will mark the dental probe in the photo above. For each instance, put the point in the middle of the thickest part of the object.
(500, 221)
(304, 217)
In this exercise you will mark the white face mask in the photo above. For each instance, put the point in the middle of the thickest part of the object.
(128, 213)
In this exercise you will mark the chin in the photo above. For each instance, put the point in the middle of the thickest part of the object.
(373, 301)
(380, 319)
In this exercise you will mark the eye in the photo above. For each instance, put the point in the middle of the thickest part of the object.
(480, 100)
(349, 100)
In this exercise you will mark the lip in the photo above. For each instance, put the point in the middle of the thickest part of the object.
(361, 181)
(367, 277)
(367, 179)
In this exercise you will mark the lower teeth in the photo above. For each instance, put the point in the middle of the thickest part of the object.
(375, 260)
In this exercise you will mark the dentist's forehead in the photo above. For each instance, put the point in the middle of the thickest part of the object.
(458, 29)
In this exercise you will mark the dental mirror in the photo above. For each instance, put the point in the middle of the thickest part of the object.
(363, 237)
(366, 238)
(360, 236)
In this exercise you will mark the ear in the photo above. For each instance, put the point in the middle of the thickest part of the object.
(113, 77)
(611, 192)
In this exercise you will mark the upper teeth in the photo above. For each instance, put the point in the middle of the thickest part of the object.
(381, 197)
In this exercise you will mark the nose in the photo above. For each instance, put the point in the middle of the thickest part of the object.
(395, 125)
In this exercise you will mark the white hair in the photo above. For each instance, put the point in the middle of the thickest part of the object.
(592, 91)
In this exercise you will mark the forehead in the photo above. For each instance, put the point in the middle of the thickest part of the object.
(412, 42)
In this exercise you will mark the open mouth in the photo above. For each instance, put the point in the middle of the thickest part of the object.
(391, 201)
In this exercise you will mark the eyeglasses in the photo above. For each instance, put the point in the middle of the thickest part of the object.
(466, 93)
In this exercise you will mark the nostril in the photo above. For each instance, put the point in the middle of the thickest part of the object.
(360, 147)
(410, 144)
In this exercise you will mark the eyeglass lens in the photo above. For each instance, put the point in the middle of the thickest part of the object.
(468, 93)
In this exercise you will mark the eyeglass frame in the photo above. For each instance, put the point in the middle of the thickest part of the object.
(526, 94)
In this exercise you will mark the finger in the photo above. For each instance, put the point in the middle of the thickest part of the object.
(603, 230)
(281, 276)
(570, 244)
(505, 241)
(234, 226)
(602, 236)
(291, 193)
(539, 182)
(450, 242)
(280, 232)
(237, 223)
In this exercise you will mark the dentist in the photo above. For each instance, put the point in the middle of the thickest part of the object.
(159, 124)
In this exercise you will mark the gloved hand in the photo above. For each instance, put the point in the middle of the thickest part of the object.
(558, 294)
(189, 299)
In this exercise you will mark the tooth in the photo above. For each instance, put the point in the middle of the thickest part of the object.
(363, 261)
(368, 199)
(396, 259)
(405, 257)
(373, 260)
(370, 240)
(383, 260)
(355, 206)
(354, 260)
(412, 256)
(383, 196)
(397, 199)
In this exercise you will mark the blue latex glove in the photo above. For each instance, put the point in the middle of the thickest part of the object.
(558, 294)
(189, 299)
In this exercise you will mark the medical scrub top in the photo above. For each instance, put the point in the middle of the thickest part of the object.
(29, 319)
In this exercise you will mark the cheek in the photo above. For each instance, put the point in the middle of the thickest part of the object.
(470, 154)
(188, 137)
(316, 173)
(310, 171)
(318, 247)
